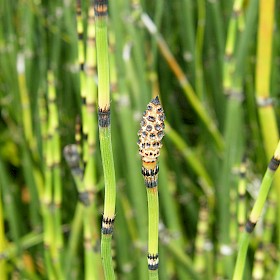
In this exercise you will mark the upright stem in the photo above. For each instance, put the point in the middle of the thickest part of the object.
(150, 137)
(255, 214)
(101, 13)
(3, 269)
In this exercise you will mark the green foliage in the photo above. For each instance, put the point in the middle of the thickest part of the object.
(201, 58)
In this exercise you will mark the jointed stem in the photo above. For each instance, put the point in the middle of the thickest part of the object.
(255, 214)
(153, 217)
(101, 13)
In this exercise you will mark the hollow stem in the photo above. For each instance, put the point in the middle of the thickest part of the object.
(101, 13)
(255, 214)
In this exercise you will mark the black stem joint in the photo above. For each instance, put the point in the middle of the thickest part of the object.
(101, 8)
(107, 225)
(273, 164)
(150, 176)
(84, 198)
(103, 117)
(153, 261)
(249, 227)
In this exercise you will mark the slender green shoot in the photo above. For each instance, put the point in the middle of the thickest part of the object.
(150, 137)
(101, 13)
(255, 214)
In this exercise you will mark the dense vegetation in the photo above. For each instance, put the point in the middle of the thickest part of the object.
(214, 65)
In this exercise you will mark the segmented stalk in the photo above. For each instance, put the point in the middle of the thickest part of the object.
(81, 61)
(3, 267)
(258, 266)
(91, 227)
(150, 137)
(232, 84)
(255, 213)
(53, 188)
(233, 212)
(101, 14)
(266, 112)
(241, 206)
(25, 103)
(229, 64)
(201, 239)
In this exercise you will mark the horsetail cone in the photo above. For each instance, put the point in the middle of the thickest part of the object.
(151, 131)
(150, 142)
(150, 137)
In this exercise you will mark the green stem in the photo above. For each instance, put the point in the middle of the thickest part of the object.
(255, 214)
(241, 257)
(3, 270)
(101, 12)
(153, 218)
(106, 254)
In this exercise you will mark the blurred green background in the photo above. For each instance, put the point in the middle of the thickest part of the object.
(215, 66)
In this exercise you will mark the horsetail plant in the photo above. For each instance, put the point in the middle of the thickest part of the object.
(53, 239)
(255, 213)
(83, 88)
(101, 14)
(241, 208)
(150, 137)
(83, 171)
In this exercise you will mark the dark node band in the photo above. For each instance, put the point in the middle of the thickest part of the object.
(101, 8)
(151, 183)
(84, 100)
(153, 261)
(103, 118)
(150, 172)
(96, 247)
(150, 176)
(250, 226)
(242, 174)
(80, 36)
(107, 225)
(152, 256)
(108, 221)
(82, 66)
(84, 198)
(273, 164)
(77, 171)
(242, 196)
(71, 155)
(153, 266)
(107, 230)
